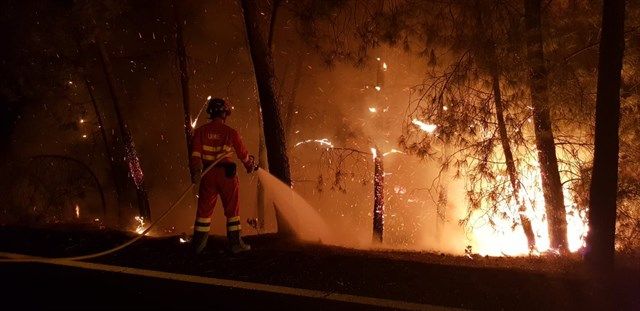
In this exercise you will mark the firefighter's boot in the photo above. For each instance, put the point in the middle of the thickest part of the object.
(199, 241)
(236, 244)
(200, 234)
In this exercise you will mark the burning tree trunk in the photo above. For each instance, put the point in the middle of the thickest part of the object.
(604, 182)
(126, 149)
(272, 124)
(551, 185)
(181, 53)
(378, 196)
(489, 61)
(508, 155)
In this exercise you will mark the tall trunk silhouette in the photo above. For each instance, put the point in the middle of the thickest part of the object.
(488, 60)
(550, 176)
(508, 156)
(604, 182)
(126, 149)
(378, 196)
(113, 167)
(272, 124)
(181, 53)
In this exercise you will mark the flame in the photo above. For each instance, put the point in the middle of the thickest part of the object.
(374, 152)
(140, 228)
(429, 128)
(503, 239)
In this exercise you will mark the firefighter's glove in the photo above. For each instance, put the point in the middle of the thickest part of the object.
(251, 165)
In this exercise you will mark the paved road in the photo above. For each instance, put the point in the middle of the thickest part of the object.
(43, 286)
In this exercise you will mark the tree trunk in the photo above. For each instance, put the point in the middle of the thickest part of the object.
(126, 146)
(113, 167)
(551, 185)
(378, 197)
(181, 53)
(508, 156)
(272, 124)
(604, 178)
(488, 59)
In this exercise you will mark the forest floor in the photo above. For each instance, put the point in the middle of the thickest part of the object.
(470, 282)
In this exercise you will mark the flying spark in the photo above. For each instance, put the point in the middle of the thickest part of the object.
(392, 152)
(323, 141)
(429, 128)
(195, 121)
(77, 211)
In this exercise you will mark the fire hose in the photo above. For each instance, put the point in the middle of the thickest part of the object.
(23, 258)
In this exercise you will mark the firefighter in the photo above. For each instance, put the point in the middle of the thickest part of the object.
(211, 142)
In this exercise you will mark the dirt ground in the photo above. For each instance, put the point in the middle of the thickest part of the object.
(489, 283)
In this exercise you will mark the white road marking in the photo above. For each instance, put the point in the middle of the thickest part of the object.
(308, 293)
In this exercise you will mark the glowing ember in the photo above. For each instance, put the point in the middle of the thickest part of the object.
(429, 128)
(373, 109)
(378, 88)
(322, 142)
(140, 221)
(81, 120)
(77, 211)
(183, 240)
(384, 66)
(445, 108)
(134, 163)
(84, 135)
